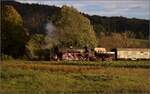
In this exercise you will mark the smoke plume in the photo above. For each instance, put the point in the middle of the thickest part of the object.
(50, 29)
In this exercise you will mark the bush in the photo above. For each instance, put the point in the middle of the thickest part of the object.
(6, 57)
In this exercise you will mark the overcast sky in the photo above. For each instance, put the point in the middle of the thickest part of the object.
(126, 8)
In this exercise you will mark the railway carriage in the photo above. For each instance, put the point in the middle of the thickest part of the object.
(132, 53)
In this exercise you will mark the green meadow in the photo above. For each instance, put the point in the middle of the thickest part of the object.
(78, 77)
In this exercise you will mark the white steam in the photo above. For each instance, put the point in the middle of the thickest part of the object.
(50, 37)
(50, 28)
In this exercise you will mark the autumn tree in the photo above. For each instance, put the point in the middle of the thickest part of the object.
(13, 35)
(73, 29)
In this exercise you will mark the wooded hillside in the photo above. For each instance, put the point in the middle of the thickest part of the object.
(35, 15)
(34, 28)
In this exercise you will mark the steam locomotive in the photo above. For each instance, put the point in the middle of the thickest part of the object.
(100, 54)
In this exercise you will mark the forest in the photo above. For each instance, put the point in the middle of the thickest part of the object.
(31, 30)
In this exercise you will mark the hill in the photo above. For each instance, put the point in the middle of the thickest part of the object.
(138, 27)
(35, 15)
(42, 28)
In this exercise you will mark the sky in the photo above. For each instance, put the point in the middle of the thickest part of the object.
(127, 8)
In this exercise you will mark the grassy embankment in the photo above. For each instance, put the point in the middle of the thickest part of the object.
(139, 43)
(47, 77)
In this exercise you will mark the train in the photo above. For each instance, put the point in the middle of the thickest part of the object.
(100, 54)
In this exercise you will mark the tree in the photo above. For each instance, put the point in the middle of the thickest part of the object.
(40, 47)
(73, 29)
(13, 35)
(35, 46)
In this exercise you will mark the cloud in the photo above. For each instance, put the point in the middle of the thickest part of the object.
(128, 8)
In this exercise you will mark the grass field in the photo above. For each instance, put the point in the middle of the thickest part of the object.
(51, 77)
